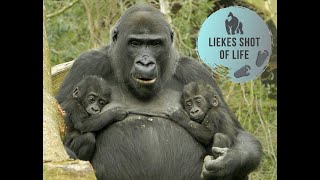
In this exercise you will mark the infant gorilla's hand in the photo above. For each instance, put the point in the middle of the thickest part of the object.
(177, 114)
(221, 168)
(118, 113)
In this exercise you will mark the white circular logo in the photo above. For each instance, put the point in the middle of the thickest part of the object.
(238, 39)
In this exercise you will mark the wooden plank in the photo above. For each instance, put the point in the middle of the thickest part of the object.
(58, 73)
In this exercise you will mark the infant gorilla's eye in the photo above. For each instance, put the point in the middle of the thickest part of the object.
(188, 103)
(91, 98)
(102, 102)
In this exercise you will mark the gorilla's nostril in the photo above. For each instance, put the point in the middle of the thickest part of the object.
(140, 63)
(95, 110)
(150, 64)
(145, 63)
(195, 111)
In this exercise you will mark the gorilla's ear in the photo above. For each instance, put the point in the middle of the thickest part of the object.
(75, 93)
(171, 35)
(114, 34)
(215, 101)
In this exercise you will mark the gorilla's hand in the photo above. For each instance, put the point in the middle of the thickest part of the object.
(177, 114)
(118, 113)
(221, 168)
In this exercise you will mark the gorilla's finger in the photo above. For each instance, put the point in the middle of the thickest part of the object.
(219, 150)
(205, 174)
(208, 158)
(214, 165)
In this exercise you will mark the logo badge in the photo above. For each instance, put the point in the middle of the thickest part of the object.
(237, 39)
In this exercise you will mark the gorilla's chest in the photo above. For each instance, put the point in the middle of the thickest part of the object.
(157, 104)
(147, 148)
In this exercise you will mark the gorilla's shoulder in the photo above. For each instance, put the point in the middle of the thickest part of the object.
(94, 55)
(93, 62)
(190, 69)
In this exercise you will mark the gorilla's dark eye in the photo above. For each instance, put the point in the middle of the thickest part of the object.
(199, 102)
(156, 43)
(102, 102)
(91, 98)
(135, 43)
(188, 103)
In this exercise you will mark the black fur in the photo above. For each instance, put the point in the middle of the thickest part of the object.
(81, 122)
(216, 118)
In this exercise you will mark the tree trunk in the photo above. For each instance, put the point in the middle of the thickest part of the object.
(56, 163)
(164, 8)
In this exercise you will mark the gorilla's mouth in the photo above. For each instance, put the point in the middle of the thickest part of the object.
(197, 118)
(144, 80)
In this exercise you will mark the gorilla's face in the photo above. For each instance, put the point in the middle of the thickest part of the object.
(196, 107)
(146, 41)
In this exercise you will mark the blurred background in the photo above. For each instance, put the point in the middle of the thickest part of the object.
(75, 26)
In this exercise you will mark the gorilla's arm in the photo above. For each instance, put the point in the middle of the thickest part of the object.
(198, 131)
(245, 155)
(93, 62)
(98, 121)
(236, 162)
(189, 70)
(77, 115)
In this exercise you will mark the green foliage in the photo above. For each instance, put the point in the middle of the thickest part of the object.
(67, 33)
(257, 113)
(187, 22)
(84, 26)
(87, 24)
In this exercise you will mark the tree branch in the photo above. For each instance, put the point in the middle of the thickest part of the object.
(62, 10)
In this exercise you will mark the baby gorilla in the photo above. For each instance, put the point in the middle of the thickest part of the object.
(204, 118)
(82, 116)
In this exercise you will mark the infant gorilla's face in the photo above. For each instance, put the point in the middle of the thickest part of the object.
(196, 107)
(94, 103)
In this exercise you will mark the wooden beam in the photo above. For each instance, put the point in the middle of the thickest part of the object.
(58, 73)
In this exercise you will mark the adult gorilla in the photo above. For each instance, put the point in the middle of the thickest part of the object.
(147, 75)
